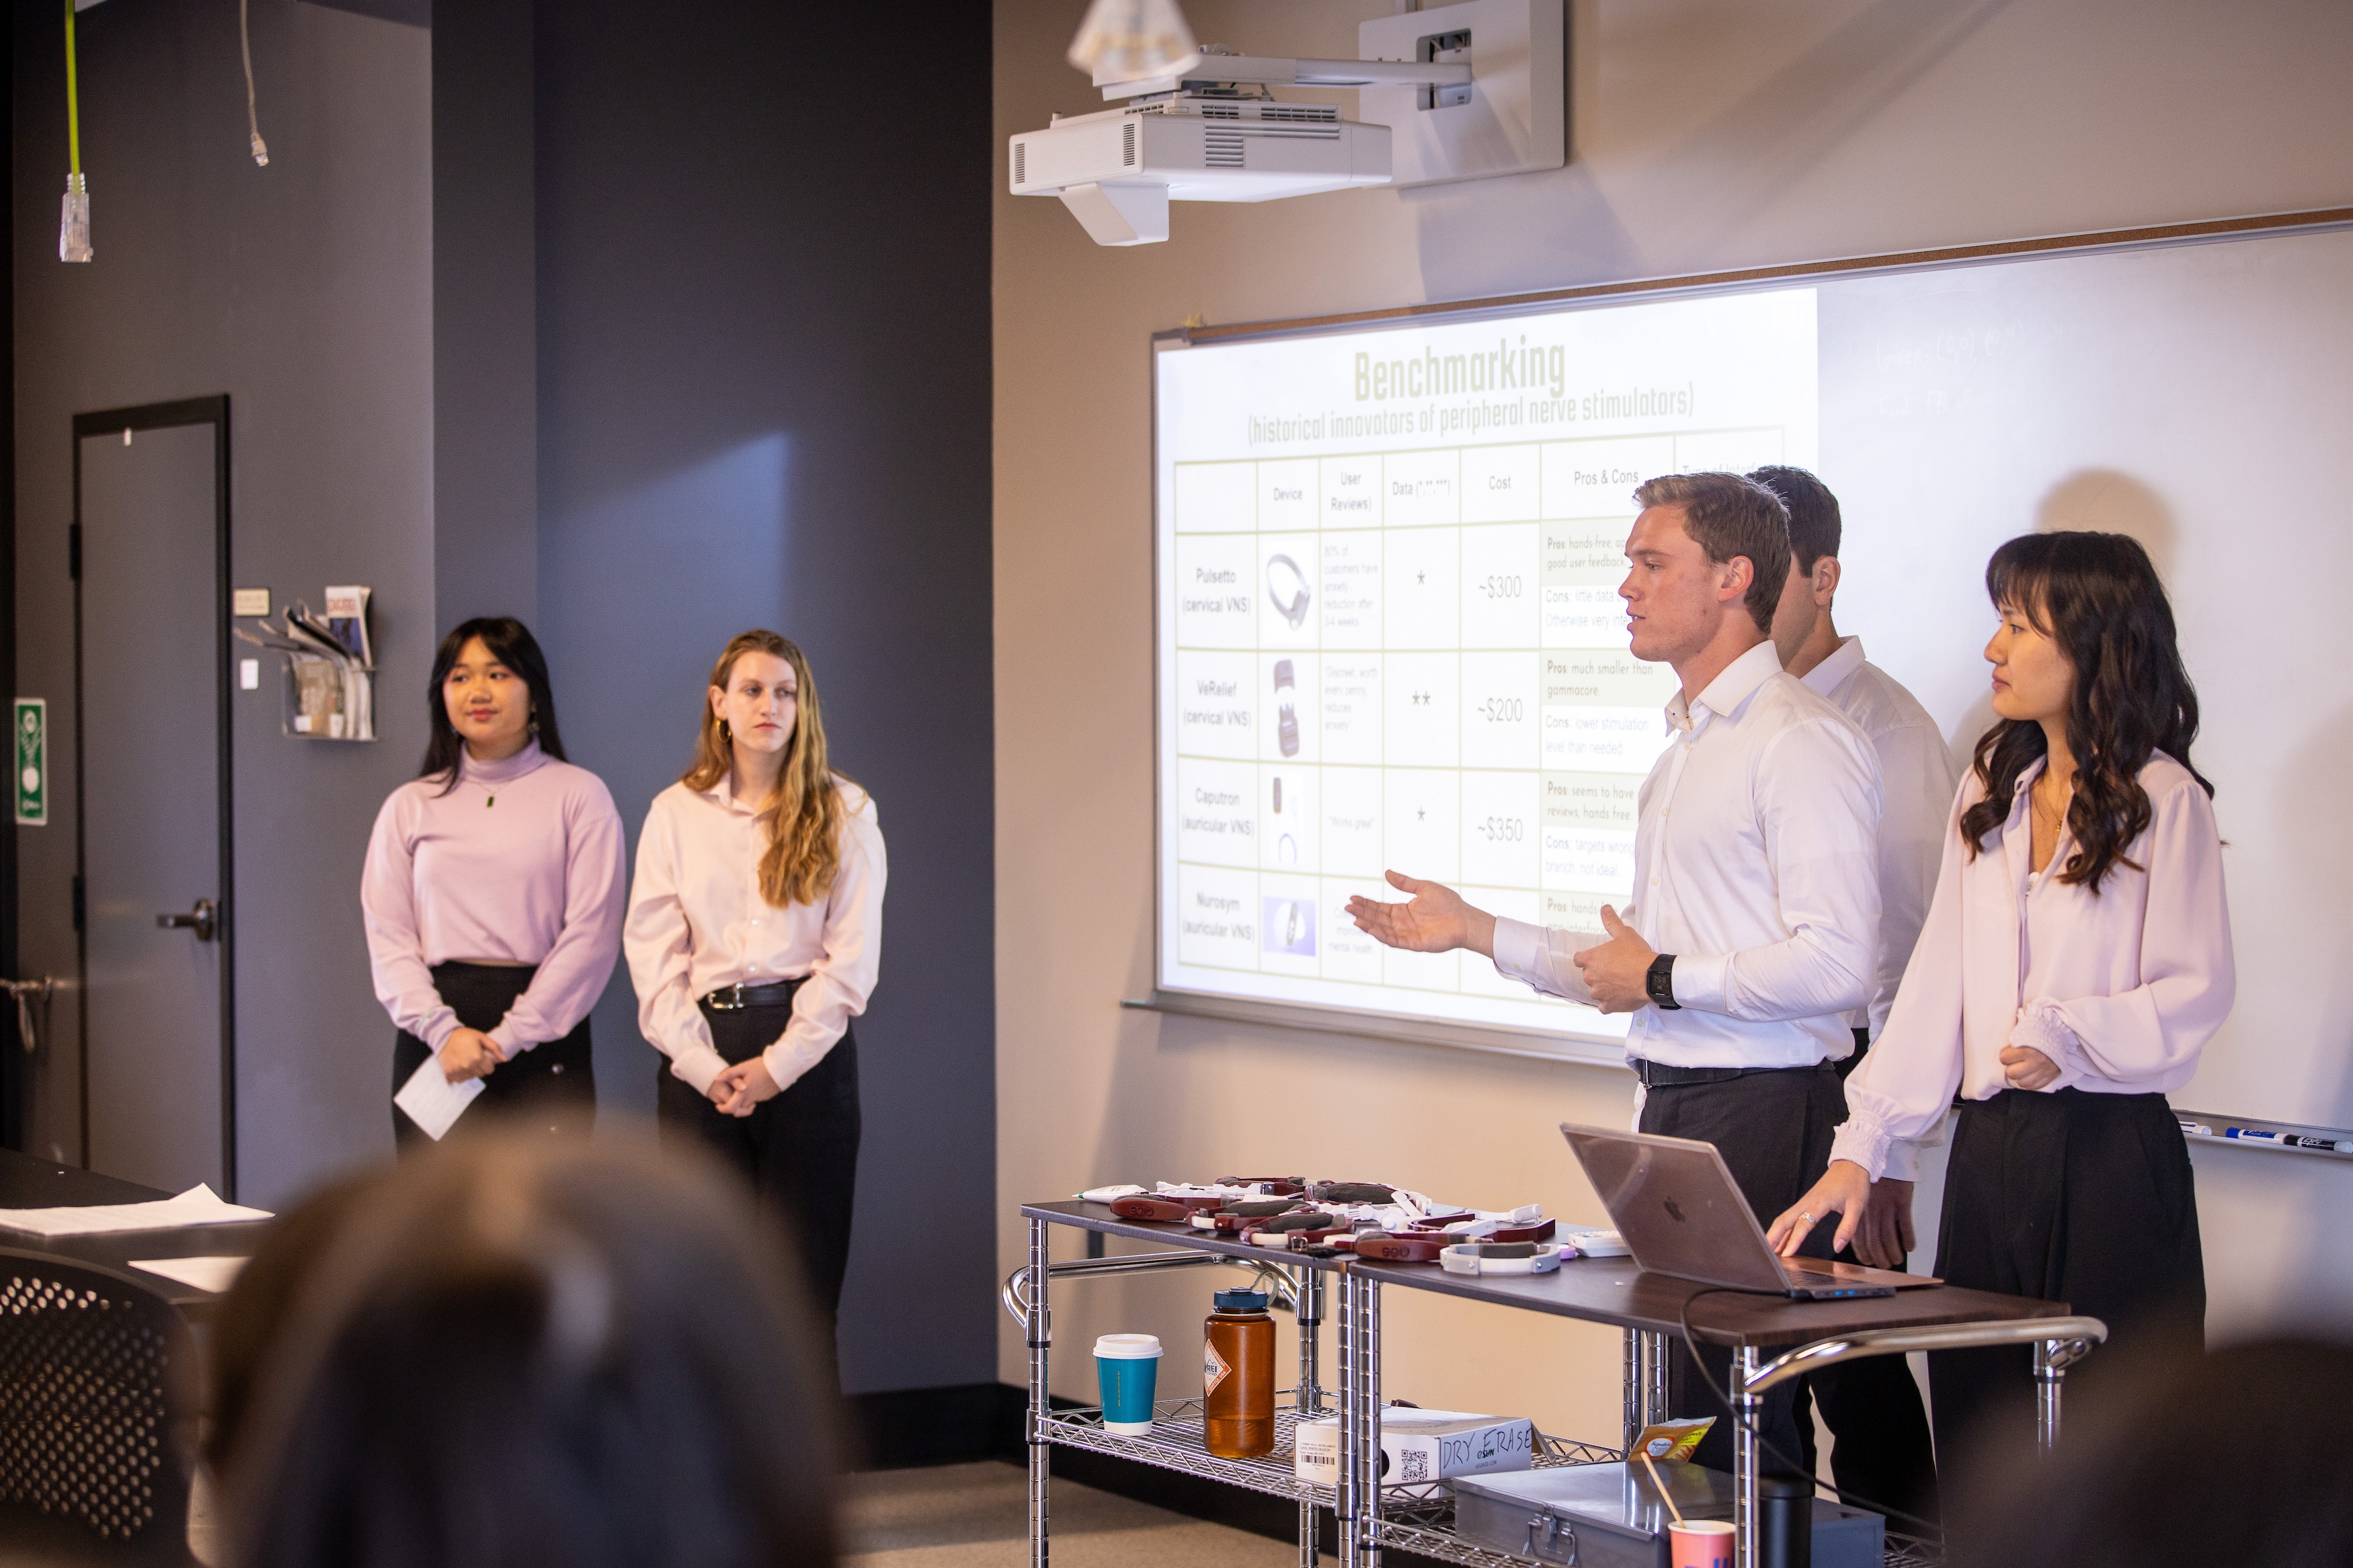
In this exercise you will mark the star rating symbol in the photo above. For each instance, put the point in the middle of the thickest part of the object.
(1421, 579)
(1422, 699)
(1419, 814)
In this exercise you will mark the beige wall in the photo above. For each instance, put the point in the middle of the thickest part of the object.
(1706, 134)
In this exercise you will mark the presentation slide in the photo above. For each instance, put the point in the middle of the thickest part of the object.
(1390, 635)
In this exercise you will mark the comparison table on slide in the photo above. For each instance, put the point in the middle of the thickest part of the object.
(1648, 1308)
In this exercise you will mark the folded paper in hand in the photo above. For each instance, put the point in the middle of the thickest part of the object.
(432, 1101)
(199, 1206)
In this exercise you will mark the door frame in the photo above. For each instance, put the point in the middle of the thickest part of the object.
(213, 410)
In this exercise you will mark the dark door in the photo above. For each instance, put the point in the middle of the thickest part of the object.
(150, 691)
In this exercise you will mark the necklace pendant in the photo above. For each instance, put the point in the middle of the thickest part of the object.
(489, 801)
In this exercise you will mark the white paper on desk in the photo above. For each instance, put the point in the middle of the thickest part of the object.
(213, 1274)
(199, 1206)
(432, 1101)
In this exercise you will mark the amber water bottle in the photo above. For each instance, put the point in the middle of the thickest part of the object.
(1238, 1377)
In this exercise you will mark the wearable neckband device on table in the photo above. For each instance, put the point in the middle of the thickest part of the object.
(1286, 589)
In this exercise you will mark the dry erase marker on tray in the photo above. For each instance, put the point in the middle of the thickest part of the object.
(2288, 1140)
(2200, 1128)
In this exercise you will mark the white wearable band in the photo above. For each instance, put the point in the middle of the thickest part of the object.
(1286, 589)
(1466, 1260)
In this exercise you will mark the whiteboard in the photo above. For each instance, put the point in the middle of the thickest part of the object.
(2195, 396)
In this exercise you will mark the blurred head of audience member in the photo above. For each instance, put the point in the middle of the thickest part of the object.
(2236, 1456)
(516, 1352)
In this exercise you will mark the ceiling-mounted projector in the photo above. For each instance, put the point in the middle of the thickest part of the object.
(1478, 87)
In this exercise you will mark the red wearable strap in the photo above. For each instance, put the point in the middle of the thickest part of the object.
(1536, 1230)
(1340, 1238)
(1168, 1211)
(1388, 1247)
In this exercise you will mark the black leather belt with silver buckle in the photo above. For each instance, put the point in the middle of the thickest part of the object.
(736, 999)
(1658, 1075)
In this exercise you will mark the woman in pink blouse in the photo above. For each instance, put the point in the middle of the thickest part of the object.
(493, 891)
(2076, 959)
(754, 937)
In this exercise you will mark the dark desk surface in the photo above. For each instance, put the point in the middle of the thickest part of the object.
(1613, 1290)
(29, 1183)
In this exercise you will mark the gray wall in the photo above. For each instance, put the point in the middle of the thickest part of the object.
(301, 290)
(632, 321)
(764, 392)
(485, 338)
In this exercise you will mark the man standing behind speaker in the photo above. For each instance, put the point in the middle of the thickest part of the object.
(1881, 1450)
(1753, 927)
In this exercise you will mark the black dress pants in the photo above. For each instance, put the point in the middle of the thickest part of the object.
(2083, 1198)
(1773, 1128)
(551, 1085)
(797, 1149)
(1880, 1454)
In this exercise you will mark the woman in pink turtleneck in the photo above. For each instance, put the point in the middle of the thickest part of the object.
(493, 891)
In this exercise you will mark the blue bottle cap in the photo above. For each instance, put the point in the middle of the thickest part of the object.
(1240, 1301)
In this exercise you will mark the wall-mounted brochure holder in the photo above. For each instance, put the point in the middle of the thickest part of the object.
(329, 668)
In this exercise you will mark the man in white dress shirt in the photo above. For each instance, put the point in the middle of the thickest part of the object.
(1753, 931)
(1882, 1448)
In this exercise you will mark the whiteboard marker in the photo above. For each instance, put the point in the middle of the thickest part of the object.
(2289, 1139)
(2200, 1128)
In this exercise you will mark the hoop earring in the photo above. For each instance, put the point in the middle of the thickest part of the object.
(535, 726)
(725, 734)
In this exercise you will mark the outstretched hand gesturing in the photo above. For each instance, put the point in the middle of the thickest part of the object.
(1437, 919)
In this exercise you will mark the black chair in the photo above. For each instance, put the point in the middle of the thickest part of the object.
(98, 1405)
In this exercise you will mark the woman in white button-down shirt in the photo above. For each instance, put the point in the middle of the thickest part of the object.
(754, 937)
(2076, 959)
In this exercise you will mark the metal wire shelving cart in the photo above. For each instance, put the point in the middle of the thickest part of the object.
(1420, 1519)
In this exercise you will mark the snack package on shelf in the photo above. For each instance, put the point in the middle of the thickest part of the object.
(1664, 1440)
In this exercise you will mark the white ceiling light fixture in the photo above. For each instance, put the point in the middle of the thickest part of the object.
(1475, 90)
(1121, 40)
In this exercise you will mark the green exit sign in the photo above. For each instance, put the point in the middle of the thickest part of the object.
(33, 762)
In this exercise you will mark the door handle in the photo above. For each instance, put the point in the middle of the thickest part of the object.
(204, 919)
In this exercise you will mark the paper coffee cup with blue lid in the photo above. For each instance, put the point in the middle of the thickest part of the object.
(1126, 1368)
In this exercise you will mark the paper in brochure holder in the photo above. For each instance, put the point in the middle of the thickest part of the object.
(329, 676)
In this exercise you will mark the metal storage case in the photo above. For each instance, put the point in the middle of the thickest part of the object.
(1602, 1516)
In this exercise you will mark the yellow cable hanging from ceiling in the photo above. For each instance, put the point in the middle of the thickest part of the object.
(73, 226)
(252, 116)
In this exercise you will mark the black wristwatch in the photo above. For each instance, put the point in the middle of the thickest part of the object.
(1660, 981)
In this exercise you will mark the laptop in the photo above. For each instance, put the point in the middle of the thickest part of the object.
(1674, 1202)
